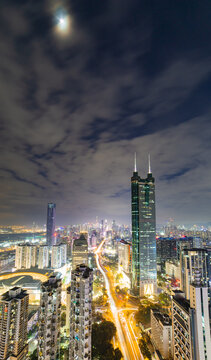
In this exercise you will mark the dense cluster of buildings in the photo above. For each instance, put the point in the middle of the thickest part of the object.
(181, 334)
(43, 256)
(14, 308)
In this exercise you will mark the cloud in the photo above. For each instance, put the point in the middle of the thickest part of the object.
(74, 110)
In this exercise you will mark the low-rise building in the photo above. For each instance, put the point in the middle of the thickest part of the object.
(172, 269)
(124, 256)
(161, 333)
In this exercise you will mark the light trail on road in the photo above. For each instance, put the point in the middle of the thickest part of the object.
(134, 335)
(112, 305)
(132, 346)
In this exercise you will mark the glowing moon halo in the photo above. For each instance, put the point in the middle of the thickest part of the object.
(63, 24)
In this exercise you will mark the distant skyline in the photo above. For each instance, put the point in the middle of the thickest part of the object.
(126, 77)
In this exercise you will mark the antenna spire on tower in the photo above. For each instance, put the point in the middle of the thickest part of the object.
(149, 171)
(135, 167)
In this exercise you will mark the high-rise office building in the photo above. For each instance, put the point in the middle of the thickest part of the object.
(92, 240)
(184, 243)
(144, 268)
(166, 249)
(192, 261)
(81, 313)
(13, 324)
(43, 257)
(25, 257)
(50, 228)
(49, 320)
(80, 251)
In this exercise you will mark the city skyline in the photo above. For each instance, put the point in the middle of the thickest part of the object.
(105, 167)
(75, 108)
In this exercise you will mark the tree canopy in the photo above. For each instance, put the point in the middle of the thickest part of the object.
(102, 335)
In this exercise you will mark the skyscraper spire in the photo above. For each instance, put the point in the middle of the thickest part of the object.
(135, 167)
(149, 171)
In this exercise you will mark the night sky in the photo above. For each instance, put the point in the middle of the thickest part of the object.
(129, 75)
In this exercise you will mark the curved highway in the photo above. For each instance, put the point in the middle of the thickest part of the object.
(127, 339)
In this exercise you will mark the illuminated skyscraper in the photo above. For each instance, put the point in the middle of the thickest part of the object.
(81, 313)
(13, 324)
(49, 320)
(51, 214)
(144, 270)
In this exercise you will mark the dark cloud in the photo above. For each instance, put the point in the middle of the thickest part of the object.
(130, 76)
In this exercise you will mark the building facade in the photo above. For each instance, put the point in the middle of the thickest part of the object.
(58, 255)
(166, 249)
(124, 256)
(144, 266)
(43, 257)
(81, 313)
(172, 269)
(25, 256)
(80, 252)
(184, 243)
(181, 328)
(192, 261)
(49, 320)
(191, 324)
(201, 322)
(13, 324)
(161, 333)
(68, 307)
(50, 228)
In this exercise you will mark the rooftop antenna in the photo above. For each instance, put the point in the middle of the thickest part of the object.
(149, 171)
(135, 167)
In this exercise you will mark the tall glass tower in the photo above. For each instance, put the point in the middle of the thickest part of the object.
(51, 214)
(144, 268)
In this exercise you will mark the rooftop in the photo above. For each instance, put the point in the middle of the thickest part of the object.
(14, 293)
(53, 282)
(163, 318)
(182, 302)
(83, 270)
(19, 281)
(80, 241)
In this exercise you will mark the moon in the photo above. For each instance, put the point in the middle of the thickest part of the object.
(63, 24)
